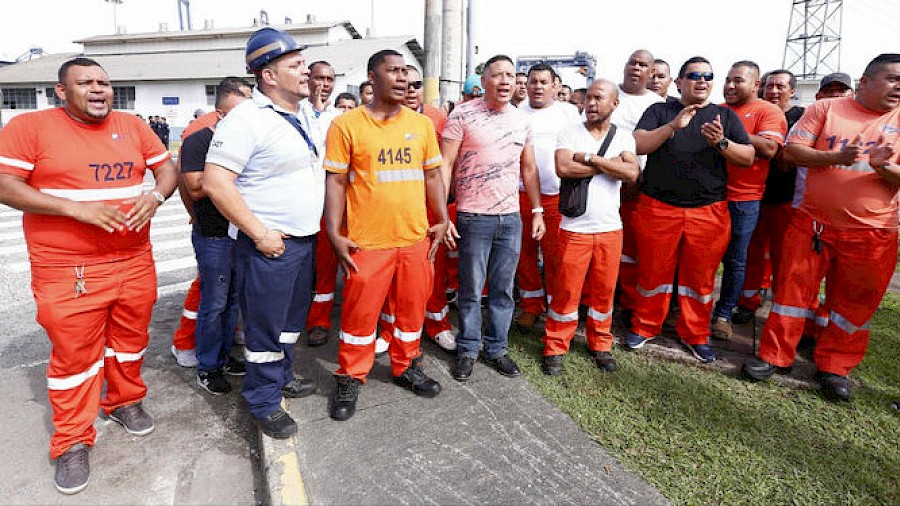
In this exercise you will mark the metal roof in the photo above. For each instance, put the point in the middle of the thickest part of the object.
(215, 33)
(346, 56)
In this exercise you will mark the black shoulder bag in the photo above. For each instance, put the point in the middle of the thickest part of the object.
(573, 191)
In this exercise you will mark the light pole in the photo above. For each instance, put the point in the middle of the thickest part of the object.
(115, 5)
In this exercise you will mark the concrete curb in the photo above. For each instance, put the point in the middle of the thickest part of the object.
(281, 468)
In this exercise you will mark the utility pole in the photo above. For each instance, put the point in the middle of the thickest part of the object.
(432, 71)
(470, 37)
(812, 48)
(451, 63)
(115, 5)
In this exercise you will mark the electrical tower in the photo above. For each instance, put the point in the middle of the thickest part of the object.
(813, 45)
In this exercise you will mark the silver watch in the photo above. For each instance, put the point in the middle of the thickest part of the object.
(160, 198)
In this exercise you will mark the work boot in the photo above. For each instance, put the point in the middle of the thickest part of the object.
(757, 369)
(299, 387)
(834, 386)
(605, 361)
(133, 417)
(72, 470)
(743, 316)
(526, 320)
(278, 425)
(234, 367)
(552, 365)
(414, 379)
(213, 382)
(462, 370)
(504, 365)
(317, 336)
(343, 398)
(721, 328)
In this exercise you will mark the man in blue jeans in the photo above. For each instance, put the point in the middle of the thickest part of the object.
(766, 126)
(486, 146)
(218, 312)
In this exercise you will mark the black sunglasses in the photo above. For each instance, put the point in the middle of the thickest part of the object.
(696, 76)
(415, 84)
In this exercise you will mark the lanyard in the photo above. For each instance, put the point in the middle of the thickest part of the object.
(290, 118)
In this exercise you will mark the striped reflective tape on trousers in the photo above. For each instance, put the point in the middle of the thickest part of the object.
(598, 316)
(531, 294)
(323, 297)
(846, 325)
(438, 316)
(190, 315)
(793, 311)
(407, 337)
(75, 380)
(357, 340)
(388, 318)
(263, 357)
(122, 357)
(749, 293)
(562, 318)
(628, 260)
(689, 292)
(288, 337)
(656, 291)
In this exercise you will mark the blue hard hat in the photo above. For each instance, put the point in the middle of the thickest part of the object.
(268, 44)
(471, 83)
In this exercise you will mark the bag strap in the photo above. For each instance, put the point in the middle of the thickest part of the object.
(606, 142)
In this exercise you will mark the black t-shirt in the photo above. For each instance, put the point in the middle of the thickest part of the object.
(779, 184)
(210, 221)
(686, 171)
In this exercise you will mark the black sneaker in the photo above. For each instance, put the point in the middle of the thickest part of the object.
(234, 367)
(72, 470)
(278, 425)
(343, 398)
(504, 365)
(462, 370)
(552, 365)
(133, 417)
(413, 378)
(299, 387)
(213, 382)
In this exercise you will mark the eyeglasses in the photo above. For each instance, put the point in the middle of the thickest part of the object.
(415, 84)
(696, 76)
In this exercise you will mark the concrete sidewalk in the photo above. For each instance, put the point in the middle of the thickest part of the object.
(491, 440)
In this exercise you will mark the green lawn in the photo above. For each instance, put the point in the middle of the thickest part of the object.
(703, 437)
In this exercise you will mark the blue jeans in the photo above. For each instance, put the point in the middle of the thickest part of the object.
(274, 295)
(218, 311)
(489, 247)
(744, 216)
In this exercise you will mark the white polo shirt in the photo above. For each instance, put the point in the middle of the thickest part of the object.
(278, 176)
(602, 214)
(317, 123)
(546, 124)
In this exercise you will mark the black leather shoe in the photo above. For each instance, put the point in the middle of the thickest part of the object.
(605, 361)
(834, 386)
(462, 370)
(299, 387)
(343, 398)
(413, 378)
(552, 365)
(757, 369)
(317, 336)
(504, 365)
(278, 425)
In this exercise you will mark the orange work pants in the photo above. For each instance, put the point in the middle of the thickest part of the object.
(593, 257)
(402, 275)
(184, 335)
(437, 311)
(628, 267)
(692, 240)
(764, 252)
(857, 265)
(533, 297)
(96, 336)
(326, 283)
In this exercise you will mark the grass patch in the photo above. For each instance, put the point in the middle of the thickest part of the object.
(702, 437)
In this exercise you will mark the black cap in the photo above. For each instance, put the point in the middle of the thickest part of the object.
(837, 77)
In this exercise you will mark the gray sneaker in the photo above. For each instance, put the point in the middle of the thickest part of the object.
(133, 417)
(72, 470)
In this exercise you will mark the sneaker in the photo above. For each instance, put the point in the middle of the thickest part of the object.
(133, 417)
(636, 341)
(234, 367)
(317, 336)
(278, 425)
(72, 470)
(462, 369)
(239, 338)
(381, 346)
(414, 379)
(213, 382)
(452, 296)
(721, 328)
(702, 352)
(605, 361)
(343, 398)
(743, 316)
(185, 358)
(552, 365)
(446, 340)
(526, 320)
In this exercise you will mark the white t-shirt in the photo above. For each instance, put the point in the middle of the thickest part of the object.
(278, 176)
(631, 108)
(546, 124)
(602, 213)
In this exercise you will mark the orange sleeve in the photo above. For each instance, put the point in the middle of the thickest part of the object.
(18, 148)
(432, 156)
(773, 125)
(153, 150)
(806, 131)
(337, 146)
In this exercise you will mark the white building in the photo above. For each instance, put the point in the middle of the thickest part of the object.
(172, 74)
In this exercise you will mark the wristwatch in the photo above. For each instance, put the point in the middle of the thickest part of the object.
(587, 157)
(160, 198)
(722, 145)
